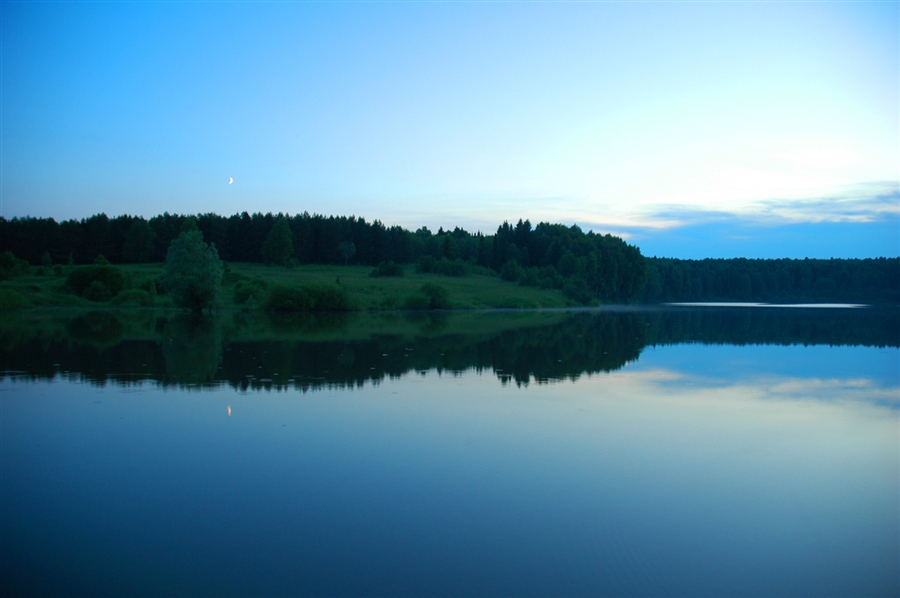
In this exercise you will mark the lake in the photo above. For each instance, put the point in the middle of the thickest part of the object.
(666, 451)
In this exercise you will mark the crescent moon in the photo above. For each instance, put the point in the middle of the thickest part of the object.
(230, 180)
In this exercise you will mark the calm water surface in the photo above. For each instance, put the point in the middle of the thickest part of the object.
(676, 451)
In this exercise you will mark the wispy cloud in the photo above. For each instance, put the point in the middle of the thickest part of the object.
(870, 202)
(875, 201)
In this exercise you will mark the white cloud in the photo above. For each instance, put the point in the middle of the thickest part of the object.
(870, 202)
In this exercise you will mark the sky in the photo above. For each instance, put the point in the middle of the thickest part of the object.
(691, 129)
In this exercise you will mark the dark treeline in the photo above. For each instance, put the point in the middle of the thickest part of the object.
(190, 350)
(586, 266)
(774, 281)
(238, 238)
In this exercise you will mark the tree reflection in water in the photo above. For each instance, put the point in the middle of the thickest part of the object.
(192, 349)
(258, 351)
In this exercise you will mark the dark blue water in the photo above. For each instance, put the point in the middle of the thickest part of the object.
(694, 469)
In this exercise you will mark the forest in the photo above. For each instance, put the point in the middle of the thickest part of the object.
(773, 281)
(587, 267)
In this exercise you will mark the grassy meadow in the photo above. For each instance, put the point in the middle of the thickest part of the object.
(46, 287)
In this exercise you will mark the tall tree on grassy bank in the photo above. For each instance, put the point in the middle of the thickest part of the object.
(193, 272)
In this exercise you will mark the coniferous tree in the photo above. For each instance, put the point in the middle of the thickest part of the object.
(139, 242)
(279, 245)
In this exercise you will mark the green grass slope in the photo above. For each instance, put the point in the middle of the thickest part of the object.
(46, 287)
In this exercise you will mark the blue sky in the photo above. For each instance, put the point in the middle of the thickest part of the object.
(691, 129)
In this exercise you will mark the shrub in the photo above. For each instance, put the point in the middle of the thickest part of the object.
(289, 299)
(133, 298)
(11, 266)
(388, 268)
(510, 271)
(308, 298)
(425, 264)
(11, 299)
(255, 287)
(389, 303)
(229, 276)
(96, 283)
(430, 296)
(330, 298)
(443, 266)
(530, 277)
(98, 291)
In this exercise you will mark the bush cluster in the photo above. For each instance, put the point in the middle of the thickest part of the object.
(428, 264)
(133, 298)
(430, 296)
(12, 299)
(308, 298)
(255, 287)
(388, 268)
(96, 283)
(11, 266)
